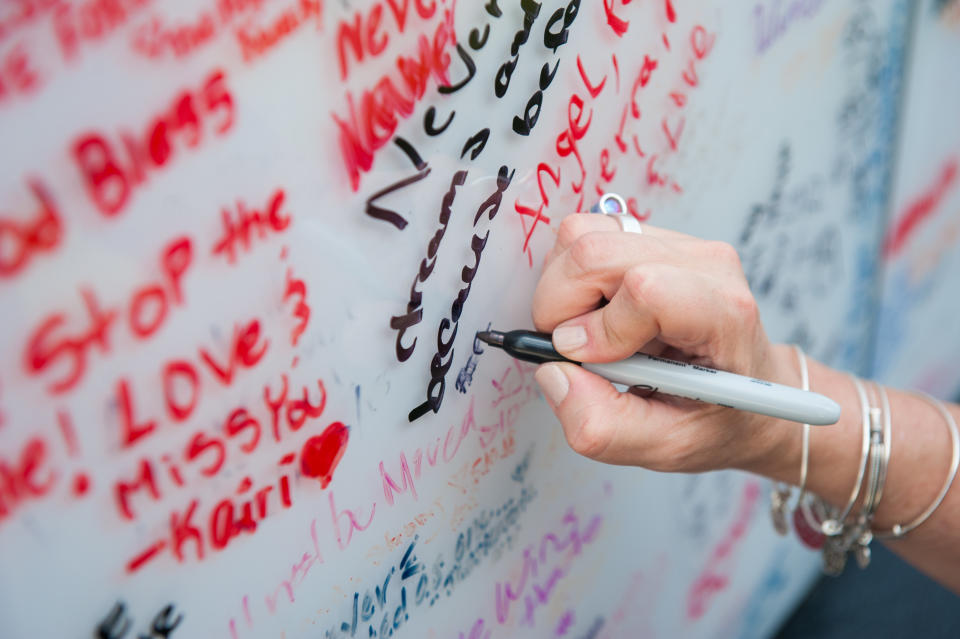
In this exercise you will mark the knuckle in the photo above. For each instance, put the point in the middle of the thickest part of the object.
(571, 227)
(539, 313)
(612, 332)
(722, 252)
(539, 319)
(588, 251)
(640, 283)
(744, 305)
(590, 436)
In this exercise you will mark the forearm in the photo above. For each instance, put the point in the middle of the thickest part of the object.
(919, 463)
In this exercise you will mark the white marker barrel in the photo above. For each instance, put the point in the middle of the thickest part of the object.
(719, 387)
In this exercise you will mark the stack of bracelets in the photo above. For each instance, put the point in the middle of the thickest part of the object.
(842, 531)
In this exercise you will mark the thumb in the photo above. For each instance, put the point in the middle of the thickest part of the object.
(598, 421)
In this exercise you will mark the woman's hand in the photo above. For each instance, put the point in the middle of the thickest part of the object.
(607, 294)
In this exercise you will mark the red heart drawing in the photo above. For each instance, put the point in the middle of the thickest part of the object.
(321, 453)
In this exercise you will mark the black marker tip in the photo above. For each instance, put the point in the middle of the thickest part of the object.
(494, 338)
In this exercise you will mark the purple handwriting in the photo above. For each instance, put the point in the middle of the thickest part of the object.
(775, 17)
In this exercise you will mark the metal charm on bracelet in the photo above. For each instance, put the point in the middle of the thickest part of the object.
(899, 530)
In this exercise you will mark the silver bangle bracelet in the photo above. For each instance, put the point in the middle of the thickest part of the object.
(803, 504)
(879, 449)
(887, 437)
(805, 441)
(834, 525)
(782, 491)
(899, 530)
(861, 535)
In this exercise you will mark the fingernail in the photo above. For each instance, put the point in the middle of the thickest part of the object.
(553, 382)
(569, 338)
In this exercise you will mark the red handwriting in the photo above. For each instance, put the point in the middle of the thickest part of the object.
(701, 43)
(20, 241)
(364, 35)
(715, 576)
(240, 230)
(353, 519)
(515, 388)
(79, 23)
(431, 453)
(21, 14)
(615, 22)
(296, 289)
(111, 179)
(190, 535)
(26, 477)
(553, 181)
(567, 143)
(518, 389)
(298, 573)
(920, 209)
(372, 120)
(256, 41)
(61, 342)
(305, 561)
(620, 26)
(161, 36)
(206, 452)
(181, 380)
(18, 75)
(347, 522)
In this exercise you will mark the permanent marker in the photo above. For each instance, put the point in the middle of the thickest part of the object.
(682, 380)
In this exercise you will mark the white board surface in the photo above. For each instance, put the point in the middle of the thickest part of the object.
(234, 234)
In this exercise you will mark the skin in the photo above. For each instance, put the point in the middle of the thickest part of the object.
(606, 294)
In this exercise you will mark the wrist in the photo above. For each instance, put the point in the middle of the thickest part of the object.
(774, 445)
(834, 450)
